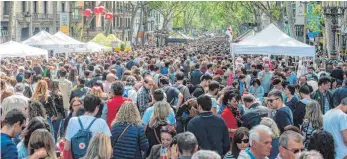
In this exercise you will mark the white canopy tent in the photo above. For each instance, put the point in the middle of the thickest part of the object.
(272, 41)
(95, 47)
(76, 45)
(47, 41)
(15, 49)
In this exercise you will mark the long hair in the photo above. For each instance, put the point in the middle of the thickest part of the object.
(314, 114)
(73, 100)
(272, 125)
(161, 111)
(42, 138)
(238, 136)
(34, 124)
(54, 86)
(35, 109)
(128, 113)
(99, 147)
(96, 90)
(323, 142)
(41, 90)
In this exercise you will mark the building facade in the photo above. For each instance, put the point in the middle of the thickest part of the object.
(30, 17)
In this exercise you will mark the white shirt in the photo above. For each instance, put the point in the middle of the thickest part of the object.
(335, 121)
(99, 125)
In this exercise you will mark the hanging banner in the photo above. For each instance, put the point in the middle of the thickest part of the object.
(64, 23)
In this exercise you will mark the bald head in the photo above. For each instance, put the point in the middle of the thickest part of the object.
(110, 77)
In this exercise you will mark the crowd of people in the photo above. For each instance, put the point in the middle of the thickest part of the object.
(180, 101)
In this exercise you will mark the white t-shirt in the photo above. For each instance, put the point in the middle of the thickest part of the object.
(335, 121)
(99, 125)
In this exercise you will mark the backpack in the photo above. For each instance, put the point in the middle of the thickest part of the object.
(126, 92)
(198, 91)
(79, 142)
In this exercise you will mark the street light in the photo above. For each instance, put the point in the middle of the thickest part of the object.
(156, 34)
(333, 10)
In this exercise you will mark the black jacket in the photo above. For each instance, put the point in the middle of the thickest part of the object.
(337, 73)
(211, 132)
(93, 80)
(299, 111)
(339, 94)
(253, 116)
(28, 91)
(318, 96)
(80, 91)
(198, 91)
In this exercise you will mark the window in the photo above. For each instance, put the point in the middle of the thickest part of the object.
(35, 6)
(6, 8)
(45, 7)
(63, 7)
(24, 6)
(299, 30)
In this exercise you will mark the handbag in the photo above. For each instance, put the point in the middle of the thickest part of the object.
(114, 143)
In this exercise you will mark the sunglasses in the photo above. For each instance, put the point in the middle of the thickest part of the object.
(271, 100)
(242, 141)
(295, 151)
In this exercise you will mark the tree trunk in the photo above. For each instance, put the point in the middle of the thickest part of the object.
(11, 22)
(86, 26)
(140, 23)
(123, 29)
(54, 24)
(290, 19)
(329, 35)
(144, 24)
(132, 22)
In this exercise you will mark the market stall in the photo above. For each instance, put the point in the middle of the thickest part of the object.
(272, 41)
(48, 42)
(15, 49)
(95, 47)
(75, 45)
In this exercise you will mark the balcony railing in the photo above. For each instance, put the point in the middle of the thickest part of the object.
(36, 17)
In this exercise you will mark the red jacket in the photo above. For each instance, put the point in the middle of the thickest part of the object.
(230, 120)
(113, 106)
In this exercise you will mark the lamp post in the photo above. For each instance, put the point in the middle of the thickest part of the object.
(156, 34)
(28, 19)
(332, 11)
(165, 35)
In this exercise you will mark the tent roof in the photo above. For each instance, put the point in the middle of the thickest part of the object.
(100, 39)
(66, 38)
(176, 35)
(112, 37)
(15, 49)
(247, 35)
(95, 47)
(44, 38)
(273, 41)
(185, 36)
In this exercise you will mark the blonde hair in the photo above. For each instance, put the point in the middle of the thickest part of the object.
(42, 138)
(99, 147)
(128, 113)
(272, 125)
(314, 114)
(160, 112)
(41, 90)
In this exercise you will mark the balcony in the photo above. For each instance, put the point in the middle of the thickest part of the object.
(42, 17)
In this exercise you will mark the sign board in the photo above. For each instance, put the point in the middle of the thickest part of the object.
(64, 23)
(299, 13)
